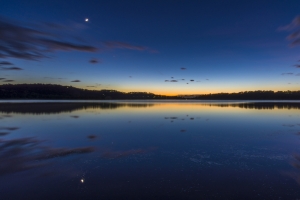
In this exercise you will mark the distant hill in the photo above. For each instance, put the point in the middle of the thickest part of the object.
(50, 91)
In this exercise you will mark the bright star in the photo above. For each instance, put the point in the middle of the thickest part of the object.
(82, 180)
(86, 19)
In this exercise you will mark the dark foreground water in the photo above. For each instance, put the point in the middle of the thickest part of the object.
(149, 150)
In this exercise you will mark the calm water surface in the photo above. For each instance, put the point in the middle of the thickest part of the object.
(149, 150)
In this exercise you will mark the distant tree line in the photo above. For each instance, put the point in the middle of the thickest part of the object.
(253, 95)
(51, 91)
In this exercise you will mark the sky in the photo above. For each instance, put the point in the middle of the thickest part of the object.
(165, 47)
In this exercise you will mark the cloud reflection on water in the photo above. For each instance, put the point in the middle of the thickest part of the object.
(27, 153)
(112, 154)
(208, 140)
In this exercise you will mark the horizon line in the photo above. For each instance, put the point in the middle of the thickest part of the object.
(149, 92)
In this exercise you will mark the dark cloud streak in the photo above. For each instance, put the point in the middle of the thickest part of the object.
(294, 26)
(27, 42)
(5, 63)
(173, 81)
(11, 68)
(94, 61)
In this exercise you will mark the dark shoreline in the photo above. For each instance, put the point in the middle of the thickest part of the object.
(59, 92)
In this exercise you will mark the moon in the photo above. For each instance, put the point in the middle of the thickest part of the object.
(86, 19)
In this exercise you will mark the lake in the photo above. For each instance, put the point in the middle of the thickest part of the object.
(149, 150)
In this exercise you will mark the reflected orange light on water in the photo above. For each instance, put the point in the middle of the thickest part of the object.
(191, 107)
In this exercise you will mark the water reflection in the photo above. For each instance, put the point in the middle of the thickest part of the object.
(26, 153)
(150, 150)
(7, 130)
(262, 105)
(52, 108)
(55, 108)
(110, 154)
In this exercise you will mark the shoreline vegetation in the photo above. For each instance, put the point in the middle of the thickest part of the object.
(59, 92)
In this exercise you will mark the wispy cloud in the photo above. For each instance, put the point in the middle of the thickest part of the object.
(23, 41)
(297, 66)
(5, 63)
(55, 45)
(183, 68)
(76, 81)
(293, 35)
(289, 73)
(123, 45)
(295, 42)
(128, 46)
(173, 81)
(47, 77)
(294, 26)
(8, 81)
(94, 61)
(11, 68)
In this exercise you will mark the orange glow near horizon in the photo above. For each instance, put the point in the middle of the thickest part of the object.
(190, 92)
(168, 91)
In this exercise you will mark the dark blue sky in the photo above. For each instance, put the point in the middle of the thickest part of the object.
(224, 46)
